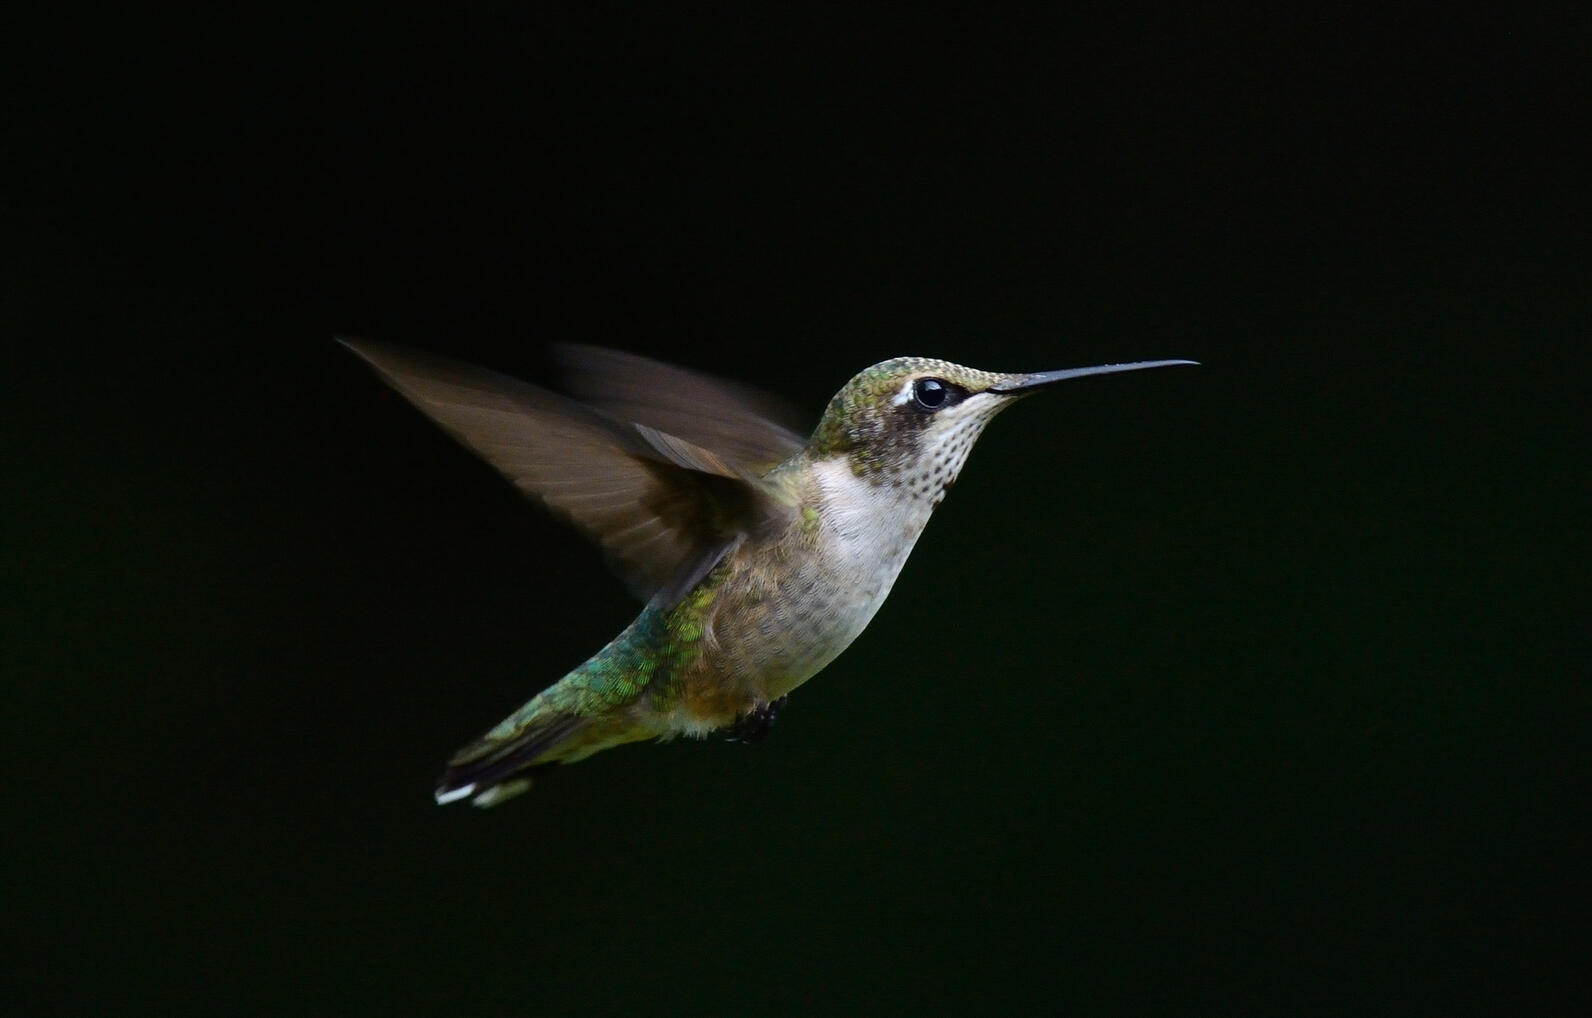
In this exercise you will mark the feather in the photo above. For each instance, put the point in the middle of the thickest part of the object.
(658, 503)
(738, 422)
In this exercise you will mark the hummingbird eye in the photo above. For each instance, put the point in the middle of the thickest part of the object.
(931, 393)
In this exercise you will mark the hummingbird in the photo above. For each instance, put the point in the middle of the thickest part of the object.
(760, 554)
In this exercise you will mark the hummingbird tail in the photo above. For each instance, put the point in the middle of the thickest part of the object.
(495, 769)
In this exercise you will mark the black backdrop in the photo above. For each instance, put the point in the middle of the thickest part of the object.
(1245, 688)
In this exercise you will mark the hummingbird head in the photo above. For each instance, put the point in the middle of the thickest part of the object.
(911, 421)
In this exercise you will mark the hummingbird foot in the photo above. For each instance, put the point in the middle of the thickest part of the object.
(755, 723)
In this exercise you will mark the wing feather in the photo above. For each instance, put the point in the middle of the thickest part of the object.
(658, 503)
(737, 422)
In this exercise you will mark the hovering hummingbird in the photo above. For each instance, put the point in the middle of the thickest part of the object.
(760, 555)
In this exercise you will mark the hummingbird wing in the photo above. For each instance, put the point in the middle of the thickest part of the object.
(736, 421)
(664, 508)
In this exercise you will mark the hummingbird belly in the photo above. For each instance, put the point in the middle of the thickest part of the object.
(789, 607)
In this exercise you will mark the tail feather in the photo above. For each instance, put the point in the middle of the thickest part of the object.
(491, 770)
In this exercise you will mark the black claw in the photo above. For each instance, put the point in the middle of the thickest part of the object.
(755, 723)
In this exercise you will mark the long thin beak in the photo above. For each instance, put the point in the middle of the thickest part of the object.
(1015, 384)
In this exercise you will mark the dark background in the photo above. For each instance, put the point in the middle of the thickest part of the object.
(1244, 688)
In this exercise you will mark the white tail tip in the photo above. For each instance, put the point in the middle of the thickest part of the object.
(454, 794)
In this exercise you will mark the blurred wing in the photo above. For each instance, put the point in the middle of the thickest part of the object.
(735, 421)
(664, 509)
